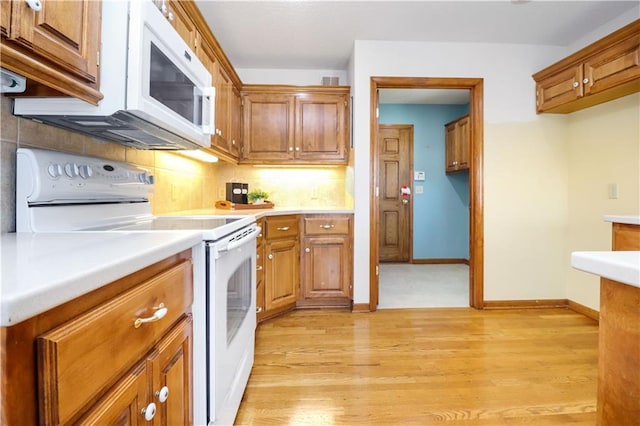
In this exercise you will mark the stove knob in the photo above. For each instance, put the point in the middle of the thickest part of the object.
(85, 172)
(151, 180)
(71, 170)
(142, 177)
(55, 170)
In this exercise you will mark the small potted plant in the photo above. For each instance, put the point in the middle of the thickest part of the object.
(257, 196)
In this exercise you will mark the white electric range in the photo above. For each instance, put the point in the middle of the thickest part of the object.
(60, 192)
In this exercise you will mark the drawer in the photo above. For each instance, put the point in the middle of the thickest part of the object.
(323, 225)
(83, 355)
(281, 227)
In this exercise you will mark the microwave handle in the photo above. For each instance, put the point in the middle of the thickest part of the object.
(208, 110)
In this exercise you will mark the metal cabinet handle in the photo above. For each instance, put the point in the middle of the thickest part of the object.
(160, 313)
(35, 5)
(270, 256)
(585, 81)
(576, 84)
(307, 250)
(259, 268)
(328, 226)
(149, 411)
(283, 228)
(258, 309)
(171, 16)
(163, 394)
(290, 148)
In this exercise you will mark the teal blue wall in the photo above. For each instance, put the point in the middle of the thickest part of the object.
(441, 213)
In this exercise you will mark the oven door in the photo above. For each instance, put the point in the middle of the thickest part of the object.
(231, 324)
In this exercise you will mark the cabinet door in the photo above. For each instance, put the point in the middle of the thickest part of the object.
(321, 127)
(5, 17)
(172, 375)
(450, 147)
(223, 95)
(268, 127)
(235, 122)
(462, 143)
(281, 274)
(182, 23)
(559, 89)
(616, 65)
(326, 267)
(66, 33)
(124, 403)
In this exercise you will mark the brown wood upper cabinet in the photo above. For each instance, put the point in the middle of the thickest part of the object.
(605, 70)
(179, 19)
(457, 145)
(300, 124)
(56, 48)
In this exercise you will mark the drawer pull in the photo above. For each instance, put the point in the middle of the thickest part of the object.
(149, 412)
(258, 309)
(326, 226)
(259, 268)
(163, 394)
(283, 228)
(157, 315)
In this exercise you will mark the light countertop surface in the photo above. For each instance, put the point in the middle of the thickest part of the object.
(258, 213)
(621, 266)
(631, 220)
(43, 270)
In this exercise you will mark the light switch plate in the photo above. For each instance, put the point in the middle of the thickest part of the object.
(613, 191)
(419, 189)
(418, 176)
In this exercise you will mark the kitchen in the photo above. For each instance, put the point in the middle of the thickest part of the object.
(544, 220)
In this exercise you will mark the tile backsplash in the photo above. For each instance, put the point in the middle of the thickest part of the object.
(181, 183)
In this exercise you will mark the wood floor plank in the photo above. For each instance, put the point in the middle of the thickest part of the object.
(424, 366)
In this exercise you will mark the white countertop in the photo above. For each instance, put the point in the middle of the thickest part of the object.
(621, 266)
(258, 213)
(631, 220)
(40, 271)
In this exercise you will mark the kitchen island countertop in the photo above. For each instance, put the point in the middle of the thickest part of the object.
(620, 266)
(43, 270)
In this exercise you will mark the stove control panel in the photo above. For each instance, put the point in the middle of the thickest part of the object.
(50, 177)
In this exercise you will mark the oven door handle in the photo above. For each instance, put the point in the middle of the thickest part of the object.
(245, 238)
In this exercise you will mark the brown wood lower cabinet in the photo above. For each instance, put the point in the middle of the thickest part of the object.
(90, 362)
(281, 260)
(326, 261)
(315, 274)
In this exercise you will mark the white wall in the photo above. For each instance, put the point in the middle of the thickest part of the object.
(525, 176)
(604, 148)
(290, 76)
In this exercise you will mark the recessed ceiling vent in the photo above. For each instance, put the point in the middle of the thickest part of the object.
(330, 81)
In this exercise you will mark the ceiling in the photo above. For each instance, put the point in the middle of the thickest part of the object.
(311, 34)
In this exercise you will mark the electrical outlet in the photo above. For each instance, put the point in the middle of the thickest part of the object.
(314, 192)
(419, 189)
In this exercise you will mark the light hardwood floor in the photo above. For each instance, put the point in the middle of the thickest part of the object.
(424, 366)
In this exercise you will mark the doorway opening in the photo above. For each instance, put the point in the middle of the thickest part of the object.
(384, 218)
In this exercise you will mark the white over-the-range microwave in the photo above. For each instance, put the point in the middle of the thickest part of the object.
(157, 93)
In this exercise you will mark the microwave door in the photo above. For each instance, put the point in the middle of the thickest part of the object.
(163, 74)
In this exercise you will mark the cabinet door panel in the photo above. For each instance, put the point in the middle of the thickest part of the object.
(281, 274)
(566, 86)
(450, 147)
(63, 32)
(320, 127)
(123, 404)
(268, 127)
(617, 65)
(5, 17)
(463, 143)
(171, 367)
(182, 23)
(326, 272)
